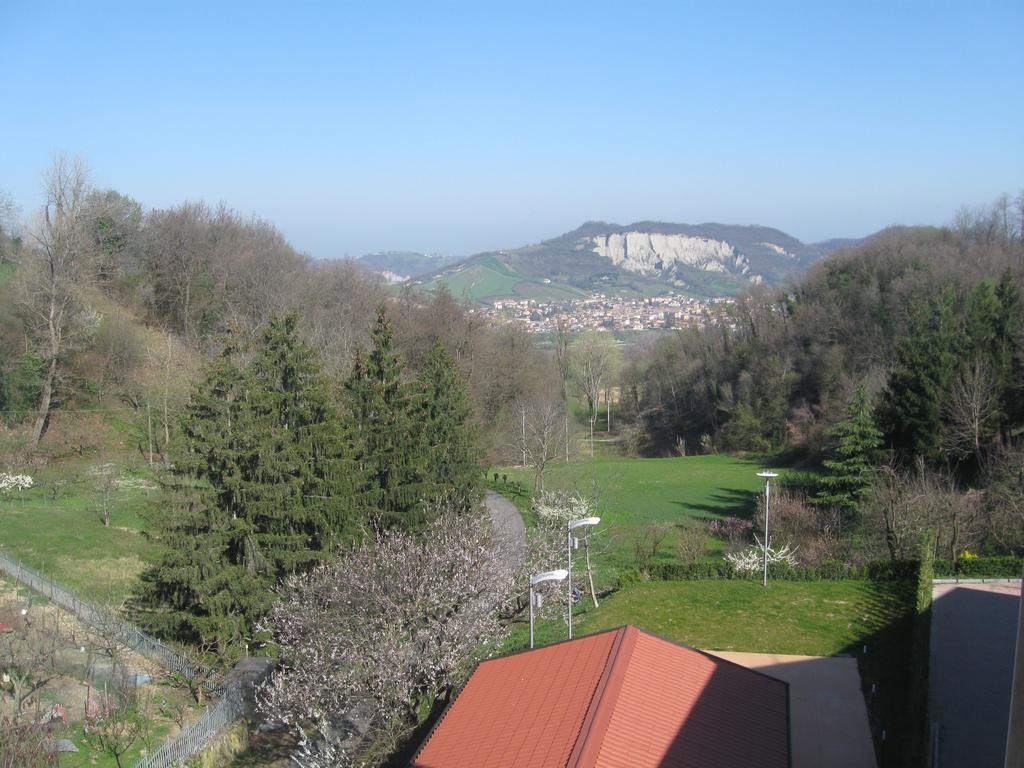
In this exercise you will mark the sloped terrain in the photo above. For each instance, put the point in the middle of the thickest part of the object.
(645, 258)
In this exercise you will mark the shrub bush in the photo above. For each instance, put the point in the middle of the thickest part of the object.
(1008, 567)
(629, 577)
(916, 744)
(882, 570)
(692, 542)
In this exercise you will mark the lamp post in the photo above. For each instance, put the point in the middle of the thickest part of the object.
(536, 599)
(767, 475)
(573, 526)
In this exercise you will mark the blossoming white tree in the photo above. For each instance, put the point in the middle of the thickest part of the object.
(389, 627)
(9, 483)
(555, 511)
(752, 559)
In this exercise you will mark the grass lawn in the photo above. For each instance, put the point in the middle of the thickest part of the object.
(818, 618)
(630, 493)
(869, 621)
(65, 539)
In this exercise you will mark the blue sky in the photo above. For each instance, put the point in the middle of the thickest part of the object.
(461, 127)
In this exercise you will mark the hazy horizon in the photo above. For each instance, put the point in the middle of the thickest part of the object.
(455, 131)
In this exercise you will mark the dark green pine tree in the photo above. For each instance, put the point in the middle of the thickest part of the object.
(382, 435)
(926, 359)
(1009, 355)
(856, 448)
(297, 485)
(260, 488)
(196, 592)
(448, 433)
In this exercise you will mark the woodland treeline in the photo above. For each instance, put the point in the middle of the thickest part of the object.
(93, 267)
(909, 348)
(919, 315)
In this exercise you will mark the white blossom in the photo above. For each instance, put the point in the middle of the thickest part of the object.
(9, 482)
(752, 559)
(391, 623)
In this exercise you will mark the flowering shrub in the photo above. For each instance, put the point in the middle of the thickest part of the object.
(10, 483)
(752, 559)
(968, 555)
(559, 508)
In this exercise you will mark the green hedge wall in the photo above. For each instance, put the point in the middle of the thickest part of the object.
(916, 744)
(882, 570)
(980, 568)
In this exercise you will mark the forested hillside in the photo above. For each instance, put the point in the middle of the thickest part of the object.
(897, 367)
(104, 300)
(921, 316)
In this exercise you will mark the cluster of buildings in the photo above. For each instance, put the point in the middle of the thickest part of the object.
(610, 313)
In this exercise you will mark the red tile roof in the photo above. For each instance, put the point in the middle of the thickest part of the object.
(617, 699)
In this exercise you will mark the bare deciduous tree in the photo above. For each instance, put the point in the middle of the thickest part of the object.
(55, 271)
(8, 217)
(23, 745)
(971, 409)
(105, 481)
(124, 721)
(648, 542)
(595, 359)
(905, 503)
(542, 423)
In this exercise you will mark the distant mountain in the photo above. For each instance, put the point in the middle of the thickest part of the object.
(399, 266)
(644, 258)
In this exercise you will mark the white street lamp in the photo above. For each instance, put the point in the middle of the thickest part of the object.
(558, 575)
(767, 475)
(572, 543)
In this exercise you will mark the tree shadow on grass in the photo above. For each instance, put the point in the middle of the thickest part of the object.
(727, 502)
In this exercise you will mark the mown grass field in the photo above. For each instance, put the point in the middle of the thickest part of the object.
(815, 618)
(630, 493)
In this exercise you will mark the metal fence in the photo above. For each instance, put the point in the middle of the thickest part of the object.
(107, 622)
(196, 737)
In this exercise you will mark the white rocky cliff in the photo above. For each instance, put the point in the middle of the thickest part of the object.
(651, 253)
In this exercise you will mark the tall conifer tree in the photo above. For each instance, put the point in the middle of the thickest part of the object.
(260, 491)
(855, 452)
(448, 434)
(926, 359)
(384, 441)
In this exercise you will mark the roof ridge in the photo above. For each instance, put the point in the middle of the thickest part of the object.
(602, 703)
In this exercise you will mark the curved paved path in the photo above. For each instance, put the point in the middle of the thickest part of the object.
(508, 525)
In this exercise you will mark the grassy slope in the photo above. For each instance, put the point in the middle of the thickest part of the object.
(55, 527)
(64, 538)
(489, 278)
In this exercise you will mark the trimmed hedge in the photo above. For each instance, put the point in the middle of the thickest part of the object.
(916, 744)
(1008, 567)
(882, 570)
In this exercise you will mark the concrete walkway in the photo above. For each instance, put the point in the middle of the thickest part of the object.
(974, 638)
(828, 716)
(508, 526)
